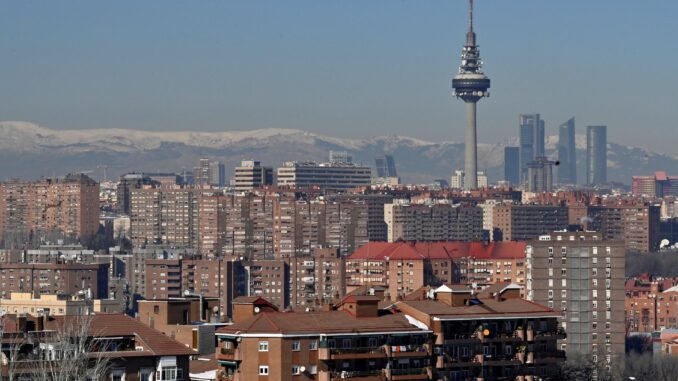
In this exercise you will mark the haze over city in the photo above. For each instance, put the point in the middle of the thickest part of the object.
(350, 69)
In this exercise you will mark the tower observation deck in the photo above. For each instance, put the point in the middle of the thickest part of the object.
(470, 85)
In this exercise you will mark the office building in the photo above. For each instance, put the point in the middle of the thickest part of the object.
(333, 176)
(251, 174)
(433, 222)
(658, 185)
(596, 155)
(385, 166)
(532, 141)
(512, 165)
(567, 153)
(540, 175)
(581, 275)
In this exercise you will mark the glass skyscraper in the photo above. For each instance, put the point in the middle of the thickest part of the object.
(596, 155)
(567, 153)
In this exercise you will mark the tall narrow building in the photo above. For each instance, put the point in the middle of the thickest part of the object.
(512, 165)
(596, 155)
(470, 85)
(567, 153)
(531, 141)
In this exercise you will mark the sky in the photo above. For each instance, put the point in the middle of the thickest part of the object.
(345, 68)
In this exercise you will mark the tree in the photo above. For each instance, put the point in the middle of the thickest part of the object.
(69, 353)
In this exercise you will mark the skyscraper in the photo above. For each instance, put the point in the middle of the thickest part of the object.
(531, 141)
(471, 85)
(596, 155)
(385, 166)
(512, 165)
(567, 153)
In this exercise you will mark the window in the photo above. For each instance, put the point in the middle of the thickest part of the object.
(296, 346)
(263, 347)
(296, 370)
(313, 345)
(166, 373)
(118, 375)
(263, 370)
(313, 369)
(145, 374)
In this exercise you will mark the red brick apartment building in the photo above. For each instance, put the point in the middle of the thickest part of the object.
(403, 267)
(68, 205)
(651, 304)
(454, 335)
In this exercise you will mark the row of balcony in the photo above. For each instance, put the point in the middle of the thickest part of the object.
(518, 334)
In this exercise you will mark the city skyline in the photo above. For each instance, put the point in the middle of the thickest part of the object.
(201, 68)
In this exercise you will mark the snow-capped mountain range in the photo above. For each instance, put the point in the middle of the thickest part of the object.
(30, 151)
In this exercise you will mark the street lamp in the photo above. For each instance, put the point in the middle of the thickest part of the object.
(202, 310)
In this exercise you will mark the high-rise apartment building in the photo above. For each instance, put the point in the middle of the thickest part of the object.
(54, 278)
(165, 216)
(459, 178)
(125, 185)
(211, 224)
(581, 275)
(318, 279)
(209, 172)
(526, 222)
(596, 155)
(512, 165)
(68, 206)
(251, 174)
(567, 153)
(637, 225)
(334, 175)
(433, 222)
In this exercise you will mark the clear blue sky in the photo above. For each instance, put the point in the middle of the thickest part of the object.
(349, 68)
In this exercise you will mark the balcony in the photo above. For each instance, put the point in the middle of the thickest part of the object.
(447, 361)
(325, 353)
(549, 356)
(229, 354)
(354, 375)
(407, 350)
(407, 374)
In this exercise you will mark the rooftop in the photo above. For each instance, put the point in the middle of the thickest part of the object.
(440, 250)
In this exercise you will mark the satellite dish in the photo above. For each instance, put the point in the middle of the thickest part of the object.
(257, 310)
(302, 369)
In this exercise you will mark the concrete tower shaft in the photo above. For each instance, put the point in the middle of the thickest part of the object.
(471, 85)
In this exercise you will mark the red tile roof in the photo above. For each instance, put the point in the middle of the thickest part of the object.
(154, 342)
(320, 322)
(440, 250)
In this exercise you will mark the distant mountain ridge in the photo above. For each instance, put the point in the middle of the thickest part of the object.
(31, 151)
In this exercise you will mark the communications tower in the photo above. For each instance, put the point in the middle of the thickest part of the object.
(470, 84)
